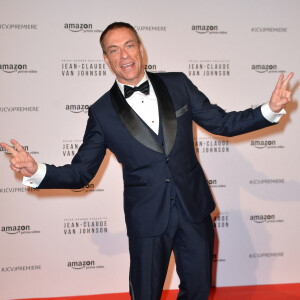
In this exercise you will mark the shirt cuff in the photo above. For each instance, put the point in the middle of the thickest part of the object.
(35, 180)
(270, 115)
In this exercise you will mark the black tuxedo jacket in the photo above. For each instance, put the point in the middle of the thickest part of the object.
(151, 170)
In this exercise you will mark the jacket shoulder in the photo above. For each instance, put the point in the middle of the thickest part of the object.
(102, 101)
(171, 75)
(171, 78)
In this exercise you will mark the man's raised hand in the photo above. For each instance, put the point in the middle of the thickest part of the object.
(21, 161)
(281, 96)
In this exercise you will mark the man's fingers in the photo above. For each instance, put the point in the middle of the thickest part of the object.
(287, 80)
(282, 102)
(23, 172)
(23, 164)
(13, 161)
(17, 145)
(14, 151)
(288, 96)
(8, 148)
(279, 82)
(14, 168)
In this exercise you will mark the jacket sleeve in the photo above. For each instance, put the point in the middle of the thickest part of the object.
(215, 120)
(85, 163)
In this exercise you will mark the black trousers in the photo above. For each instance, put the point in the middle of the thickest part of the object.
(192, 244)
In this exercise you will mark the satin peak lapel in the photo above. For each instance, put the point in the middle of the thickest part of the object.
(166, 111)
(131, 121)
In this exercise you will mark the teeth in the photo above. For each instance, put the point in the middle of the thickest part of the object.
(124, 66)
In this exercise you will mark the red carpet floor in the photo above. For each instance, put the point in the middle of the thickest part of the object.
(261, 292)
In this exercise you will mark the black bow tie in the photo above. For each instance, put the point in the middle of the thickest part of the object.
(144, 88)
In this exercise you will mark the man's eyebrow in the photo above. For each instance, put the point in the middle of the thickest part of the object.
(130, 41)
(112, 46)
(127, 42)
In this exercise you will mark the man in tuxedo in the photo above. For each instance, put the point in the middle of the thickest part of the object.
(146, 121)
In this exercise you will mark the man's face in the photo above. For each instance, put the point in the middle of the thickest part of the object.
(124, 55)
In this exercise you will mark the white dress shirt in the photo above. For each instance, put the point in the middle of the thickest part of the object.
(147, 108)
(144, 105)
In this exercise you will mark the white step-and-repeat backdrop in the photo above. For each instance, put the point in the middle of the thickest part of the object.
(73, 242)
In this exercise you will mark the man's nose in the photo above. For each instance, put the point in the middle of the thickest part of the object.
(123, 53)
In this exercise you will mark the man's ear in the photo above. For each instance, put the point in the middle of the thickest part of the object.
(106, 59)
(142, 50)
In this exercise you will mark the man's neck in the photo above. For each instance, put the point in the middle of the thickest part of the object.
(121, 85)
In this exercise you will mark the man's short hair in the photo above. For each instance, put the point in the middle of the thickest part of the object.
(117, 25)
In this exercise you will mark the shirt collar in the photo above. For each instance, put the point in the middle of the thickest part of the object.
(121, 85)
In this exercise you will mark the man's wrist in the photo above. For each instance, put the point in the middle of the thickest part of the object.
(35, 180)
(270, 115)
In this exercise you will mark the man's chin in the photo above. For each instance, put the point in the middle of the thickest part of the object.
(131, 80)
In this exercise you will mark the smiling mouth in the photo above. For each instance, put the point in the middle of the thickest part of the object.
(126, 66)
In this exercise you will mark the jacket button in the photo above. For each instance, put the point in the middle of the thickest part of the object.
(167, 180)
(167, 159)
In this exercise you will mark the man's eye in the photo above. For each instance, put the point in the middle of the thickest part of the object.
(113, 51)
(130, 46)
